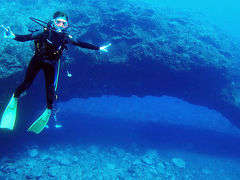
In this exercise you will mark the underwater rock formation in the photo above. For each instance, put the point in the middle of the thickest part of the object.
(155, 52)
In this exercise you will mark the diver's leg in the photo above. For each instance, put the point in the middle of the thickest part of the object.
(32, 70)
(41, 122)
(49, 73)
(9, 115)
(51, 77)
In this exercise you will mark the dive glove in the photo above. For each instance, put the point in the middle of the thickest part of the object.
(104, 48)
(8, 33)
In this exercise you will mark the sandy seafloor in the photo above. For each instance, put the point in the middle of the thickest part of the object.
(197, 144)
(94, 162)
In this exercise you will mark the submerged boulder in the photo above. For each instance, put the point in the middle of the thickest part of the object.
(33, 152)
(178, 162)
(155, 52)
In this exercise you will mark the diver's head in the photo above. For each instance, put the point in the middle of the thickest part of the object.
(60, 21)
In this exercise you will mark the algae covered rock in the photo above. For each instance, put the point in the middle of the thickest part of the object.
(53, 171)
(44, 156)
(65, 161)
(33, 152)
(178, 162)
(150, 157)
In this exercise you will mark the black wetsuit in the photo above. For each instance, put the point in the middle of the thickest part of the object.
(48, 49)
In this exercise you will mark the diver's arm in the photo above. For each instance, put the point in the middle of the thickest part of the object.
(8, 34)
(87, 45)
(28, 37)
(82, 44)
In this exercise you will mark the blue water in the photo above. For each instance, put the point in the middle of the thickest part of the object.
(120, 137)
(224, 14)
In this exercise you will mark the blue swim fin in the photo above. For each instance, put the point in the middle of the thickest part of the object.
(9, 115)
(41, 122)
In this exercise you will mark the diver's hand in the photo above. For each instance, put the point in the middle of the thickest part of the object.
(104, 48)
(8, 33)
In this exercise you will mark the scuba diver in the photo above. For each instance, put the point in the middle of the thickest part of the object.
(49, 46)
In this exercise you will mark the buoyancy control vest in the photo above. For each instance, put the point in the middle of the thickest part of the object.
(50, 47)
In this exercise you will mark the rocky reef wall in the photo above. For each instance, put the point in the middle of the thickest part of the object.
(154, 52)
